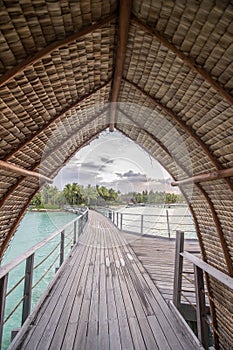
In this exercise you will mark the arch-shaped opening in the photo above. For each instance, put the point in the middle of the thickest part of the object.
(59, 72)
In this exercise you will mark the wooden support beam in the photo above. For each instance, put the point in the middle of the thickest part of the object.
(23, 211)
(186, 59)
(28, 288)
(124, 21)
(219, 174)
(10, 74)
(202, 327)
(142, 127)
(218, 227)
(53, 120)
(21, 171)
(179, 121)
(178, 269)
(13, 188)
(213, 213)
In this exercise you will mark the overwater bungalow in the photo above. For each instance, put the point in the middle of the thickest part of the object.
(161, 73)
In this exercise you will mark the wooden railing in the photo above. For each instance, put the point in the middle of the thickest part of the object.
(161, 224)
(204, 325)
(75, 227)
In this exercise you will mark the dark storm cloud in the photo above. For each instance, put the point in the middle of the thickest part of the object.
(132, 176)
(90, 166)
(106, 160)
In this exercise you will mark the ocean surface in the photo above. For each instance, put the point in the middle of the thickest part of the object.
(34, 227)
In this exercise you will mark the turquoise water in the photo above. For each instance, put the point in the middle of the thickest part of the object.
(34, 227)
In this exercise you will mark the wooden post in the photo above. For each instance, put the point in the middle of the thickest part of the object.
(27, 288)
(117, 219)
(75, 233)
(121, 221)
(62, 244)
(79, 226)
(202, 327)
(141, 231)
(168, 225)
(3, 289)
(113, 217)
(177, 286)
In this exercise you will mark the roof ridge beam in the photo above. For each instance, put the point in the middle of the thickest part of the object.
(53, 120)
(124, 23)
(38, 56)
(189, 61)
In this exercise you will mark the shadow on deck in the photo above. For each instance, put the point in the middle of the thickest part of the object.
(103, 298)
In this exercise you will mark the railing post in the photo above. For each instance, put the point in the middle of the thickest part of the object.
(75, 233)
(27, 288)
(168, 224)
(62, 245)
(141, 231)
(177, 286)
(3, 290)
(121, 221)
(117, 219)
(202, 327)
(113, 218)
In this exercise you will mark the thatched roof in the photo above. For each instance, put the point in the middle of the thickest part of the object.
(168, 64)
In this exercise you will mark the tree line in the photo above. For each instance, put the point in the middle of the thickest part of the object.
(73, 194)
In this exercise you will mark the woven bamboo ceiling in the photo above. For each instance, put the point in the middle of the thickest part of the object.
(63, 62)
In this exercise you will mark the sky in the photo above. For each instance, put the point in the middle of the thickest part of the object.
(115, 161)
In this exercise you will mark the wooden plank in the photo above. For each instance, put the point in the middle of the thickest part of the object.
(95, 305)
(140, 304)
(174, 335)
(103, 339)
(62, 329)
(69, 336)
(46, 325)
(82, 327)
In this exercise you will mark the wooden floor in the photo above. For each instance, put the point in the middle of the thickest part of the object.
(103, 299)
(157, 256)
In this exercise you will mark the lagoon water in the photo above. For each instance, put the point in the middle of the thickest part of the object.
(34, 227)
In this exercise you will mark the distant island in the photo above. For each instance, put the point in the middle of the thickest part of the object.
(50, 198)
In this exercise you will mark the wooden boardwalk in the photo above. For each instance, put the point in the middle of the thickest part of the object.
(157, 256)
(103, 298)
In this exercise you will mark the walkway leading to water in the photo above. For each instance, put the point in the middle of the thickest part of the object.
(103, 298)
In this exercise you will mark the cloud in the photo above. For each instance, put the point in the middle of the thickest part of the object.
(132, 176)
(106, 160)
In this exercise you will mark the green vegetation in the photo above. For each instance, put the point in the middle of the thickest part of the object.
(73, 194)
(152, 197)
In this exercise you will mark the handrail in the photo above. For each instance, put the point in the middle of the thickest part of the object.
(218, 275)
(144, 224)
(16, 261)
(28, 257)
